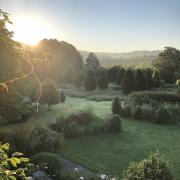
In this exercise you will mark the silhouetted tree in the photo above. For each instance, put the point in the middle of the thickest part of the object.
(90, 81)
(128, 82)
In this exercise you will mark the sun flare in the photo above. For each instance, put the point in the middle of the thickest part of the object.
(31, 30)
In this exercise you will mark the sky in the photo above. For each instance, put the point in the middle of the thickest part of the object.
(97, 25)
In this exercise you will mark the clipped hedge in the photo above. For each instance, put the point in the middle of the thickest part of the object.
(157, 96)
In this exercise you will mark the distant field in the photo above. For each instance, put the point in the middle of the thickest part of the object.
(111, 153)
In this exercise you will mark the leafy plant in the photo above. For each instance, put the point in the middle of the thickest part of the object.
(152, 168)
(13, 166)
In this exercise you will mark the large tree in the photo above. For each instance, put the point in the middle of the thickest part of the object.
(128, 82)
(167, 63)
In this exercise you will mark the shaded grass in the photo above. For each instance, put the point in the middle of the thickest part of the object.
(111, 153)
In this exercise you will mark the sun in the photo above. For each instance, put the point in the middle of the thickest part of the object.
(30, 30)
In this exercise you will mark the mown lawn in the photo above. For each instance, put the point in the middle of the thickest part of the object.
(111, 153)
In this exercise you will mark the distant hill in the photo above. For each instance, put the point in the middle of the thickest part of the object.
(134, 58)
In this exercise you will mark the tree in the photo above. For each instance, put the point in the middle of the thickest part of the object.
(156, 79)
(50, 94)
(140, 81)
(116, 106)
(92, 60)
(90, 81)
(152, 168)
(102, 80)
(112, 73)
(62, 97)
(120, 75)
(149, 81)
(128, 82)
(167, 63)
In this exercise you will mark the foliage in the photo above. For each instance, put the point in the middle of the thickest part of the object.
(120, 75)
(156, 79)
(112, 125)
(163, 116)
(66, 60)
(140, 81)
(102, 81)
(13, 166)
(12, 107)
(6, 35)
(152, 168)
(92, 60)
(50, 94)
(62, 97)
(155, 96)
(42, 139)
(112, 73)
(90, 81)
(116, 106)
(167, 63)
(128, 82)
(149, 81)
(52, 162)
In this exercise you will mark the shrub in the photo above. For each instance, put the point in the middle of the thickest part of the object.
(116, 106)
(52, 161)
(113, 124)
(42, 139)
(90, 81)
(163, 116)
(152, 168)
(128, 82)
(136, 113)
(62, 97)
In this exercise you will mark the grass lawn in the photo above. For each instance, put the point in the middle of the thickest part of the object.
(111, 153)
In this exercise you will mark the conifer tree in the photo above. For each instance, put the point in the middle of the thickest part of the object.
(128, 82)
(102, 80)
(120, 75)
(116, 106)
(149, 81)
(140, 81)
(156, 79)
(90, 81)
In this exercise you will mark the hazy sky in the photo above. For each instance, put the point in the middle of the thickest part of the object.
(100, 25)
